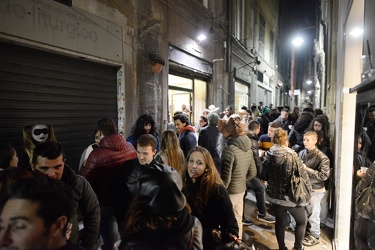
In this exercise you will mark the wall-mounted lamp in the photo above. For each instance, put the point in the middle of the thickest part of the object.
(309, 81)
(257, 60)
(201, 37)
(356, 32)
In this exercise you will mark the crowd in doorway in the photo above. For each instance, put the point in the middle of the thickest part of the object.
(183, 189)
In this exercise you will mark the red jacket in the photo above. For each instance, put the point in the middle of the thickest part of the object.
(102, 165)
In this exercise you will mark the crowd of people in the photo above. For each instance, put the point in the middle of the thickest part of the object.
(186, 192)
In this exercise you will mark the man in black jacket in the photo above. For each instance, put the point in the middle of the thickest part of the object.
(126, 179)
(208, 138)
(49, 160)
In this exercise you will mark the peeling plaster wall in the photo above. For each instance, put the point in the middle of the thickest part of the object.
(150, 26)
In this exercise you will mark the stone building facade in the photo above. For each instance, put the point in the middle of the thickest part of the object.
(69, 63)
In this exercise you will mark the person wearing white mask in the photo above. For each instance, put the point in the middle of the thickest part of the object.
(33, 135)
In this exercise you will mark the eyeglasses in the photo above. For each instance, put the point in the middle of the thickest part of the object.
(40, 131)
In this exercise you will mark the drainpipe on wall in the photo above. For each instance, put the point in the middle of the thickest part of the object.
(224, 101)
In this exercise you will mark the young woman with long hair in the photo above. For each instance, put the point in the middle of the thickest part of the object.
(33, 135)
(320, 123)
(170, 152)
(209, 199)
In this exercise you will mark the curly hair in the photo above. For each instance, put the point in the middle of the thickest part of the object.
(322, 120)
(305, 117)
(280, 136)
(139, 127)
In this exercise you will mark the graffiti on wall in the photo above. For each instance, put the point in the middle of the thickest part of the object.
(120, 100)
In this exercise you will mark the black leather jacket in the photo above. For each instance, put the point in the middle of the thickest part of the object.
(126, 185)
(318, 167)
(365, 181)
(277, 170)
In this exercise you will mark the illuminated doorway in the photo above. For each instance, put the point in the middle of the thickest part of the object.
(186, 92)
(241, 97)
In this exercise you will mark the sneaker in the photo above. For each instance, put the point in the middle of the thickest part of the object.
(310, 240)
(266, 218)
(247, 222)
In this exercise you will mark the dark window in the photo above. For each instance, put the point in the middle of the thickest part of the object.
(260, 76)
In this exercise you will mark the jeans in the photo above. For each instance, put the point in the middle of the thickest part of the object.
(324, 207)
(108, 227)
(237, 202)
(259, 189)
(363, 229)
(313, 213)
(281, 215)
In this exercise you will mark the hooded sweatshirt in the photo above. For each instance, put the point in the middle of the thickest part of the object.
(237, 164)
(188, 140)
(296, 135)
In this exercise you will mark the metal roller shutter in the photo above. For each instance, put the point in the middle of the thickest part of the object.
(67, 93)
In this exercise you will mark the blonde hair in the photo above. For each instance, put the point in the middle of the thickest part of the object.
(170, 147)
(280, 136)
(312, 133)
(29, 143)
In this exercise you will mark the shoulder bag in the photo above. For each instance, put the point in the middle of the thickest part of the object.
(299, 192)
(365, 203)
(236, 244)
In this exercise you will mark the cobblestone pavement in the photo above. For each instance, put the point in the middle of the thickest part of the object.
(262, 234)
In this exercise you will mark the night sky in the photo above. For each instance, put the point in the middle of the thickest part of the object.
(302, 12)
(297, 15)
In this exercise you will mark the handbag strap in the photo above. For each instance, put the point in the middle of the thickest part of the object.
(295, 166)
(191, 239)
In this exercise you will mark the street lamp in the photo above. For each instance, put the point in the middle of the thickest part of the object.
(297, 41)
